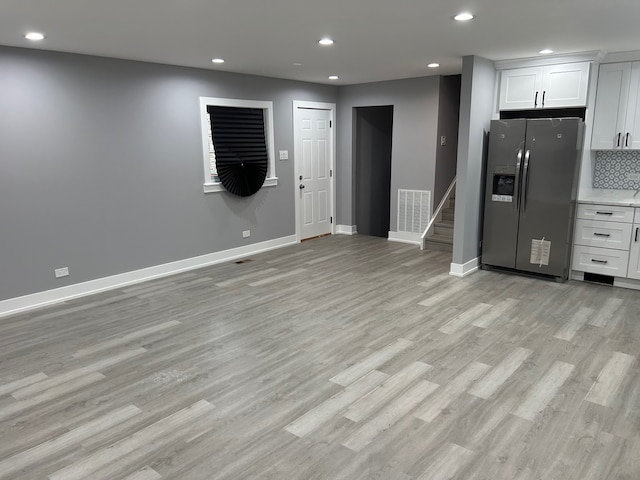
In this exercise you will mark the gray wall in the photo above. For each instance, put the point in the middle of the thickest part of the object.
(415, 121)
(476, 109)
(448, 123)
(101, 167)
(374, 128)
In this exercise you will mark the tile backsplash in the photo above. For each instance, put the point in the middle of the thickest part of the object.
(612, 168)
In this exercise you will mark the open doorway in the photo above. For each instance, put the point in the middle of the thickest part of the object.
(373, 134)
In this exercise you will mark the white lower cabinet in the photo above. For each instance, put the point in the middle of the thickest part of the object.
(634, 251)
(607, 241)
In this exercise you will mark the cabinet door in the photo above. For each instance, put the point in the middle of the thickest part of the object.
(565, 85)
(611, 106)
(520, 88)
(634, 253)
(631, 134)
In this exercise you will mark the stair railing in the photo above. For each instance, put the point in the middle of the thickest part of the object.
(436, 214)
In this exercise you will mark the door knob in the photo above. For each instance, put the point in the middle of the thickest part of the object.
(301, 187)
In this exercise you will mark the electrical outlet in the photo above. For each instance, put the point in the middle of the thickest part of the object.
(633, 177)
(246, 233)
(284, 154)
(61, 272)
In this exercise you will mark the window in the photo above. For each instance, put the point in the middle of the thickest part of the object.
(248, 108)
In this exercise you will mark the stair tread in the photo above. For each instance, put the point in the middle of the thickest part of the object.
(439, 246)
(440, 238)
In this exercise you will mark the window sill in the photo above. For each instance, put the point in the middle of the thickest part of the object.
(218, 187)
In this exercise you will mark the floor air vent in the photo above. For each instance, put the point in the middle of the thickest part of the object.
(414, 210)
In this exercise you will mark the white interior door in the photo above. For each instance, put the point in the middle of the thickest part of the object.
(314, 164)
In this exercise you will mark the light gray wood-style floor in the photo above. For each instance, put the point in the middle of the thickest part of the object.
(339, 358)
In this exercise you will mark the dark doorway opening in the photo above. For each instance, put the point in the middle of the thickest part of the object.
(373, 135)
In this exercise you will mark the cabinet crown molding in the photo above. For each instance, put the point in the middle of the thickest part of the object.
(616, 57)
(595, 56)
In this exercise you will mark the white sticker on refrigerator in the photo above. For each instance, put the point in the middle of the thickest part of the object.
(502, 198)
(540, 252)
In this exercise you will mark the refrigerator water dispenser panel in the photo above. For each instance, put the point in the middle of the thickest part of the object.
(504, 180)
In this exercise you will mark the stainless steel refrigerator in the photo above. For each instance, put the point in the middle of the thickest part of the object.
(531, 184)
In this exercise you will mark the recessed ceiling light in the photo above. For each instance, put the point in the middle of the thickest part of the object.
(463, 17)
(325, 41)
(217, 60)
(433, 65)
(546, 51)
(34, 36)
(333, 77)
(297, 64)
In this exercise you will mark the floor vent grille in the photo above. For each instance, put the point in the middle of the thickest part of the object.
(414, 210)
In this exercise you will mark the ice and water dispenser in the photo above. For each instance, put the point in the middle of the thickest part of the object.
(503, 185)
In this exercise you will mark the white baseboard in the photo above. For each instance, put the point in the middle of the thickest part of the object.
(405, 237)
(346, 230)
(464, 269)
(40, 299)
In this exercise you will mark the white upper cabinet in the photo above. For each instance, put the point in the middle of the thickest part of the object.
(616, 123)
(519, 88)
(632, 122)
(552, 86)
(612, 98)
(565, 85)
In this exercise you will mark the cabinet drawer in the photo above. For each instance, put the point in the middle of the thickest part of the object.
(605, 213)
(596, 233)
(604, 261)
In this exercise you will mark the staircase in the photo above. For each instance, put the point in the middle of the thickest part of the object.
(441, 238)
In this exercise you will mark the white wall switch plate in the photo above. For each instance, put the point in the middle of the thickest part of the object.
(284, 154)
(61, 272)
(246, 233)
(633, 177)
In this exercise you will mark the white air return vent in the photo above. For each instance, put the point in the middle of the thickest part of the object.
(414, 210)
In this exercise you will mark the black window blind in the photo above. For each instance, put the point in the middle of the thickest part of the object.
(240, 147)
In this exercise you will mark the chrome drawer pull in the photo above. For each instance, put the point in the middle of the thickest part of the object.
(599, 261)
(604, 213)
(602, 234)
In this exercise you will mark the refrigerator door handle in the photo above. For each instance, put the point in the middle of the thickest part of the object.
(525, 179)
(516, 189)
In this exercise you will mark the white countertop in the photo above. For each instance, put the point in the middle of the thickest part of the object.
(605, 196)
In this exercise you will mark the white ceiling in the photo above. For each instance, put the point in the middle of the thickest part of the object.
(375, 39)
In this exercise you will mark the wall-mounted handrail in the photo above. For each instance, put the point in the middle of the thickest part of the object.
(436, 213)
